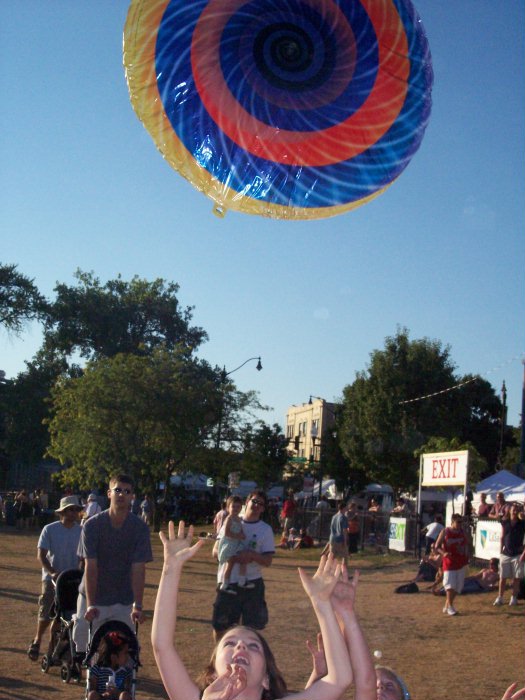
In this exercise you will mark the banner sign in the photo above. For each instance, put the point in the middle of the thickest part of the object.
(445, 468)
(397, 534)
(488, 538)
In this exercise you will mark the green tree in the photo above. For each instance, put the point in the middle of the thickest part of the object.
(138, 316)
(26, 408)
(145, 415)
(264, 454)
(20, 300)
(381, 425)
(237, 409)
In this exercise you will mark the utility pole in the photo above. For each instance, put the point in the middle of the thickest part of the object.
(521, 466)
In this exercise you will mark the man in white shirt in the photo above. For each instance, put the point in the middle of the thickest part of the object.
(247, 603)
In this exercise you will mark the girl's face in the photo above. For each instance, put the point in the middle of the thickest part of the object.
(234, 508)
(243, 648)
(387, 686)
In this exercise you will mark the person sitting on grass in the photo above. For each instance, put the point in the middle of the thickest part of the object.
(231, 543)
(111, 676)
(242, 665)
(304, 541)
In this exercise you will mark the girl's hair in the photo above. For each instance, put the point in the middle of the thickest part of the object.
(277, 683)
(111, 643)
(405, 695)
(233, 499)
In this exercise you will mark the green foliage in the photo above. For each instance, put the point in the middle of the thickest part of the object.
(119, 317)
(20, 300)
(380, 432)
(25, 408)
(145, 415)
(264, 454)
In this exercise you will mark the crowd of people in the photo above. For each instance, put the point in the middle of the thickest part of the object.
(113, 547)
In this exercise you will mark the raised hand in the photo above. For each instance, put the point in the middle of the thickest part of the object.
(177, 546)
(318, 658)
(511, 695)
(323, 582)
(228, 686)
(343, 597)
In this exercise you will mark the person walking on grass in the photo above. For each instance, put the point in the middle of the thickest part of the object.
(452, 543)
(115, 546)
(512, 555)
(57, 552)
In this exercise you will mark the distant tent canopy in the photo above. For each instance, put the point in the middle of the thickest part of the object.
(508, 483)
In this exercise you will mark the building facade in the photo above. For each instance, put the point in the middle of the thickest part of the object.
(306, 424)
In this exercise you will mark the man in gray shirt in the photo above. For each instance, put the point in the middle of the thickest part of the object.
(57, 552)
(115, 546)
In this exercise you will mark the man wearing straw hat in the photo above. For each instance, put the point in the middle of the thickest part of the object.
(57, 552)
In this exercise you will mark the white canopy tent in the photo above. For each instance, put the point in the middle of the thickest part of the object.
(508, 483)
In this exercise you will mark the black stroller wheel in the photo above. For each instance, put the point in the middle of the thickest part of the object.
(76, 672)
(65, 674)
(45, 663)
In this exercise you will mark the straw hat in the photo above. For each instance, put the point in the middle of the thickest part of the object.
(68, 502)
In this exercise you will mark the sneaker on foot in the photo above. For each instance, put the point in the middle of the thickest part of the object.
(34, 651)
(498, 601)
(445, 608)
(452, 611)
(513, 600)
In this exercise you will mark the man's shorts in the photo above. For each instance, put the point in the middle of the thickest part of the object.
(454, 579)
(510, 567)
(247, 605)
(339, 550)
(46, 601)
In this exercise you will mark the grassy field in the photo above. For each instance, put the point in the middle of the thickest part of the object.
(475, 654)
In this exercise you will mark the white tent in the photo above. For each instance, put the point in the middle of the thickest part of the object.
(504, 481)
(508, 483)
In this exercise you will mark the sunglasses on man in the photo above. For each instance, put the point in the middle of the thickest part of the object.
(119, 490)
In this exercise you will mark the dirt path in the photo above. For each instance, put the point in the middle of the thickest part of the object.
(473, 655)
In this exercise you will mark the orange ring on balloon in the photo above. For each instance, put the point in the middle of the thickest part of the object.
(335, 144)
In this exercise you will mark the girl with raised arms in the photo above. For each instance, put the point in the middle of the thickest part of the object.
(242, 666)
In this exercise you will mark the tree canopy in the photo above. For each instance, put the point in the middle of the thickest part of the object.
(145, 415)
(264, 454)
(382, 426)
(101, 320)
(20, 300)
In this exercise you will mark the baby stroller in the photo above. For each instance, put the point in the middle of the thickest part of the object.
(62, 651)
(131, 638)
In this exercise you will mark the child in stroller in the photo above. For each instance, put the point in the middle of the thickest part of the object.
(112, 662)
(61, 650)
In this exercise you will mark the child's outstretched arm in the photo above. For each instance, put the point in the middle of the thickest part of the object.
(177, 550)
(343, 600)
(339, 671)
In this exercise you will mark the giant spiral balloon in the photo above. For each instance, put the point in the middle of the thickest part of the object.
(293, 109)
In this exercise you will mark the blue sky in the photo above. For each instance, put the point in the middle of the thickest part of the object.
(441, 252)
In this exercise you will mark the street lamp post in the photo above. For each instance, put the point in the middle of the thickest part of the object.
(522, 441)
(223, 376)
(503, 421)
